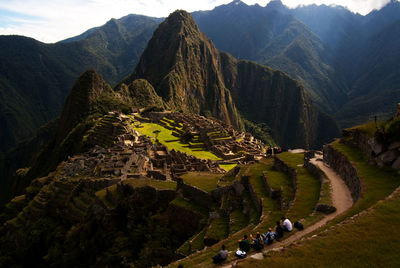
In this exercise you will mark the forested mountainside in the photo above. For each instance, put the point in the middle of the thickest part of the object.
(332, 52)
(35, 78)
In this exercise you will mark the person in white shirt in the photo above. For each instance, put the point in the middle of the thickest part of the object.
(287, 225)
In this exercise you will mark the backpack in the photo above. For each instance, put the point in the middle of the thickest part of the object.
(258, 244)
(298, 225)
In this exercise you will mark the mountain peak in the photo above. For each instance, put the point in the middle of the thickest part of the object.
(179, 15)
(87, 88)
(275, 4)
(184, 67)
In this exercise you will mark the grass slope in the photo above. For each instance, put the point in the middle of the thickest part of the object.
(308, 188)
(366, 239)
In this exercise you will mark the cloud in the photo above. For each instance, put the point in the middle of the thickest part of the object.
(54, 20)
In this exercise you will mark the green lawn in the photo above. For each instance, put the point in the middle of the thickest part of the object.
(227, 167)
(206, 181)
(166, 138)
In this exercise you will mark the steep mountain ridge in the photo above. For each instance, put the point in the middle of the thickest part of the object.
(183, 66)
(267, 96)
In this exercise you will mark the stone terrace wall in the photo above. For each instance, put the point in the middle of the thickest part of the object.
(256, 200)
(314, 170)
(283, 167)
(273, 193)
(193, 193)
(358, 139)
(345, 169)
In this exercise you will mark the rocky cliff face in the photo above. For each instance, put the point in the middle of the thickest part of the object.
(265, 95)
(184, 68)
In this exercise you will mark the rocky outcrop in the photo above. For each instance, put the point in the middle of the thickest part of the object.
(345, 169)
(382, 149)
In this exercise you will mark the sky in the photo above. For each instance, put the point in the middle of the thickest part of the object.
(50, 21)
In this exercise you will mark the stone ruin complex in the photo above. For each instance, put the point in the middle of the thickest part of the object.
(210, 134)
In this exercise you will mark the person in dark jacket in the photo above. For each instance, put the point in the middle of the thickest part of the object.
(278, 231)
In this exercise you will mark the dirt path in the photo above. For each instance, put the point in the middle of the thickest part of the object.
(341, 199)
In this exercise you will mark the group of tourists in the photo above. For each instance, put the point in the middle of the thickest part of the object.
(258, 241)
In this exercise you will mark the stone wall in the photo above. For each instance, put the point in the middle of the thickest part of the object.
(283, 167)
(358, 139)
(314, 170)
(193, 193)
(345, 169)
(382, 151)
(256, 200)
(273, 193)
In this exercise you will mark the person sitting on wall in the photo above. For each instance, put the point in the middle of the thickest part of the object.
(278, 231)
(244, 247)
(258, 242)
(287, 224)
(269, 236)
(221, 256)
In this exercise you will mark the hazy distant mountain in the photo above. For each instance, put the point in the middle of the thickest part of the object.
(271, 35)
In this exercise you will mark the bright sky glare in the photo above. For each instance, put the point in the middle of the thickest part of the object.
(53, 20)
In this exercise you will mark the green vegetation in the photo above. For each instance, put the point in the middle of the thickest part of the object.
(279, 180)
(370, 127)
(260, 131)
(308, 188)
(159, 185)
(206, 181)
(218, 229)
(238, 220)
(191, 206)
(350, 240)
(166, 138)
(377, 182)
(196, 243)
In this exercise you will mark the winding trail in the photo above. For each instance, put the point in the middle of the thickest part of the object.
(341, 199)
